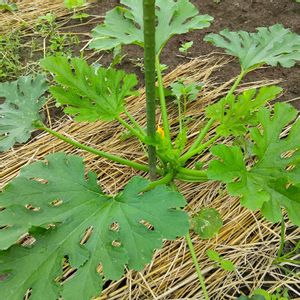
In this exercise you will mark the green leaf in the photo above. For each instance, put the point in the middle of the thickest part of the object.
(273, 45)
(185, 47)
(236, 113)
(273, 180)
(227, 265)
(89, 94)
(188, 90)
(207, 223)
(124, 25)
(5, 5)
(80, 16)
(56, 195)
(213, 255)
(255, 297)
(23, 100)
(71, 4)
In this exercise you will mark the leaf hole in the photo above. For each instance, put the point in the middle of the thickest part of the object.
(288, 185)
(28, 294)
(68, 274)
(3, 227)
(87, 235)
(148, 225)
(114, 227)
(116, 244)
(290, 168)
(27, 240)
(100, 269)
(237, 179)
(39, 180)
(32, 208)
(288, 153)
(67, 271)
(56, 202)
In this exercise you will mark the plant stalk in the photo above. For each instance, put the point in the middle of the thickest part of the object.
(164, 180)
(282, 238)
(162, 99)
(236, 83)
(197, 266)
(135, 132)
(149, 60)
(201, 135)
(198, 150)
(233, 88)
(106, 155)
(134, 122)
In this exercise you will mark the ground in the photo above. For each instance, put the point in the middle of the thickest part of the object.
(234, 15)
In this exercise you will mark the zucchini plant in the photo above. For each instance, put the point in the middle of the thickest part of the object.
(73, 223)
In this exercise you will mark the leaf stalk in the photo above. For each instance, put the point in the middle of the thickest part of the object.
(162, 99)
(197, 265)
(92, 150)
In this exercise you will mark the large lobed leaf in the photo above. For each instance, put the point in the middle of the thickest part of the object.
(56, 196)
(236, 113)
(89, 94)
(124, 25)
(273, 181)
(273, 45)
(23, 100)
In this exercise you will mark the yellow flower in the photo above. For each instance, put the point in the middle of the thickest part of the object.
(160, 131)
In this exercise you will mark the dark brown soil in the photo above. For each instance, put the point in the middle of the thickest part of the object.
(235, 15)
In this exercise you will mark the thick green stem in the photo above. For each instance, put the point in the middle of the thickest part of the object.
(164, 180)
(201, 135)
(163, 106)
(193, 173)
(149, 60)
(198, 150)
(135, 132)
(197, 266)
(106, 155)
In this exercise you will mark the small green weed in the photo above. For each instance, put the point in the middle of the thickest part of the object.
(185, 47)
(224, 264)
(10, 64)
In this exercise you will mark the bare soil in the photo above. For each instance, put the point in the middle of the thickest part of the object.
(235, 15)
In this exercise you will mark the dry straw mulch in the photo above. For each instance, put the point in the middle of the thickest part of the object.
(246, 238)
(29, 11)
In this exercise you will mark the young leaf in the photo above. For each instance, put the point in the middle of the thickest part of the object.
(55, 195)
(273, 180)
(213, 255)
(227, 265)
(207, 223)
(23, 100)
(273, 45)
(71, 4)
(224, 264)
(185, 47)
(236, 113)
(5, 5)
(124, 25)
(188, 90)
(89, 94)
